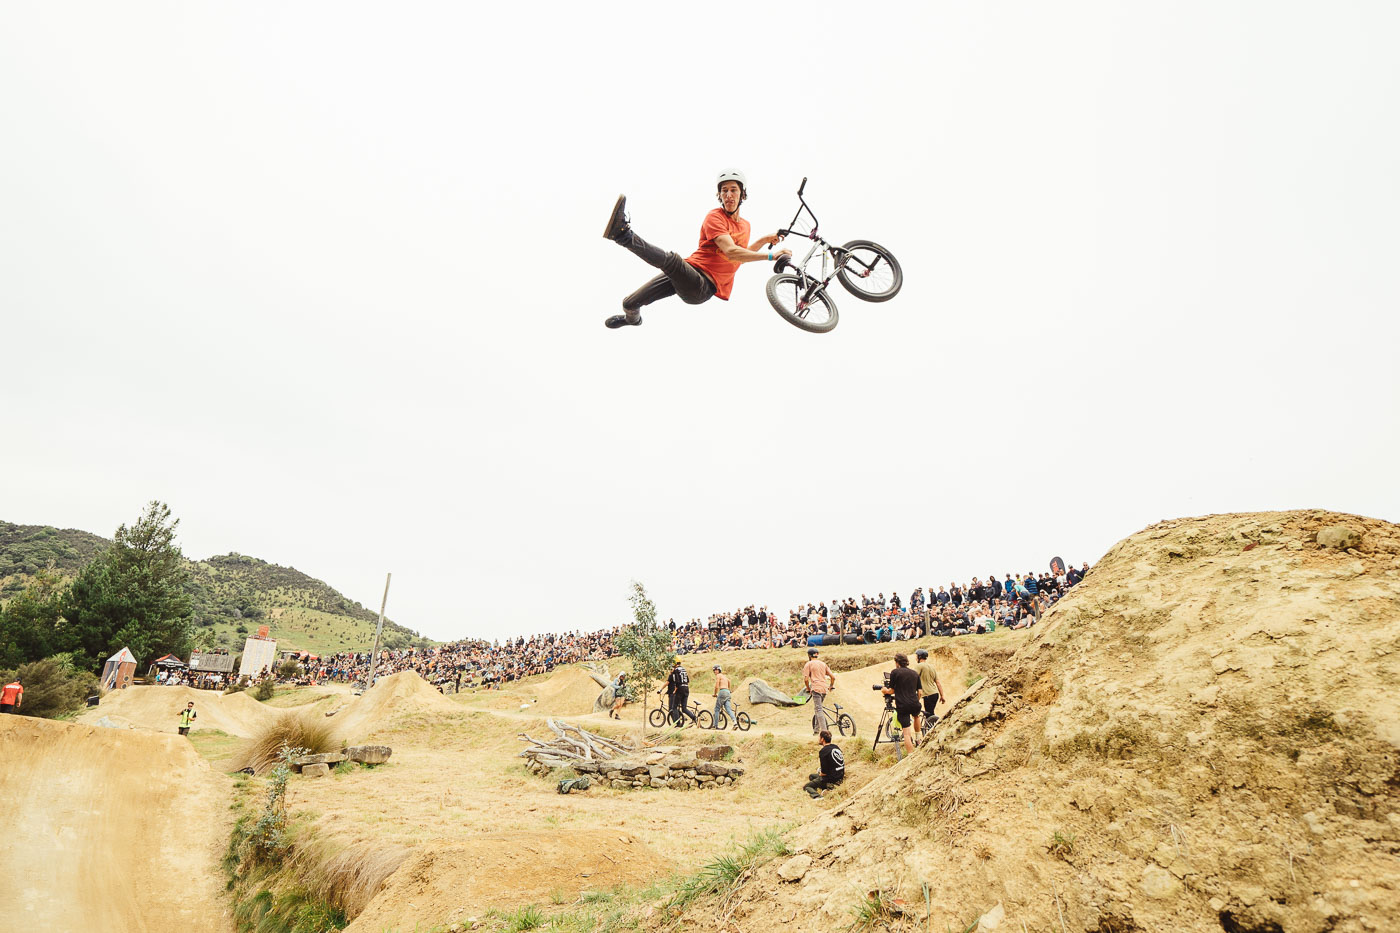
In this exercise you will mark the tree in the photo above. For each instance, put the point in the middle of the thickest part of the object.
(29, 623)
(52, 686)
(646, 644)
(133, 594)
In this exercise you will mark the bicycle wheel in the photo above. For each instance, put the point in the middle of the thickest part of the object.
(809, 308)
(871, 272)
(722, 722)
(892, 730)
(657, 718)
(846, 725)
(704, 719)
(744, 721)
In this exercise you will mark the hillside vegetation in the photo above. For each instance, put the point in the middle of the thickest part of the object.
(232, 594)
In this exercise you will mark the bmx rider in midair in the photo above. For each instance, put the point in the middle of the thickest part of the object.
(704, 274)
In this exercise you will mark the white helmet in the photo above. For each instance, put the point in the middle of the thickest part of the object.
(733, 174)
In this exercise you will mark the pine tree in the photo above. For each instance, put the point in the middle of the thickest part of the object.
(133, 594)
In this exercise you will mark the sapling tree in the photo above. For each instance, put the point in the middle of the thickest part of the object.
(646, 645)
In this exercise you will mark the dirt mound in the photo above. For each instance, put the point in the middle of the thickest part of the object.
(391, 697)
(112, 829)
(568, 692)
(448, 885)
(1204, 735)
(158, 709)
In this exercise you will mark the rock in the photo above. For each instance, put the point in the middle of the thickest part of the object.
(795, 868)
(322, 759)
(658, 771)
(315, 770)
(980, 707)
(1158, 883)
(713, 752)
(1340, 537)
(970, 742)
(760, 692)
(683, 764)
(991, 919)
(369, 754)
(621, 785)
(710, 767)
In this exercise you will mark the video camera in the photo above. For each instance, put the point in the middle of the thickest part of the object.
(883, 686)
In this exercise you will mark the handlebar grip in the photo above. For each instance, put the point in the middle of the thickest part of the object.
(801, 186)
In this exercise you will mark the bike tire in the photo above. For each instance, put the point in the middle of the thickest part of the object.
(785, 293)
(846, 725)
(867, 257)
(722, 722)
(657, 718)
(704, 719)
(744, 721)
(892, 730)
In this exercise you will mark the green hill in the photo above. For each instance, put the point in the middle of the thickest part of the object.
(233, 594)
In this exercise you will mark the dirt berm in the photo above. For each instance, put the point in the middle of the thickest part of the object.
(108, 829)
(1203, 736)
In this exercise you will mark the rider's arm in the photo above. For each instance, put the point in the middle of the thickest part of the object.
(736, 253)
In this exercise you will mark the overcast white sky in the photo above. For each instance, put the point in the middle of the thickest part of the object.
(328, 279)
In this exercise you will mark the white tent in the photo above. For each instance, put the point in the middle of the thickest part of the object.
(119, 670)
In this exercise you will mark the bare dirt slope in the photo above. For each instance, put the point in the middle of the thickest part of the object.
(158, 709)
(399, 694)
(1203, 736)
(108, 829)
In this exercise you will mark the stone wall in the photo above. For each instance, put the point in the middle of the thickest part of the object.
(678, 771)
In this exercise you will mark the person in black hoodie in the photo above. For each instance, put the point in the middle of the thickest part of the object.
(832, 767)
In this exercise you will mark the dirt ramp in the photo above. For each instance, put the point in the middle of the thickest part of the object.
(158, 709)
(448, 885)
(111, 829)
(391, 697)
(1200, 737)
(568, 692)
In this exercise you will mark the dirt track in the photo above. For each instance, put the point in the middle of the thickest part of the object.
(112, 829)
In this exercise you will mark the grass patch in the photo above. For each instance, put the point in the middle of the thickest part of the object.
(291, 730)
(1060, 845)
(727, 872)
(214, 744)
(877, 907)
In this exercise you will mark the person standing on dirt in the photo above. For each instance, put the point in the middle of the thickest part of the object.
(704, 274)
(678, 693)
(187, 716)
(724, 700)
(904, 686)
(819, 680)
(831, 765)
(619, 695)
(11, 696)
(930, 689)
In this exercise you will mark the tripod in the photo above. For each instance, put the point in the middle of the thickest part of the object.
(886, 729)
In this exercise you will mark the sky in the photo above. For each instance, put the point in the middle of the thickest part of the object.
(328, 279)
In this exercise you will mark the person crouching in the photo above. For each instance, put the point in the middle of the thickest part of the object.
(832, 765)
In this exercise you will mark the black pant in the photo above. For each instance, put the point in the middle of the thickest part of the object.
(816, 784)
(678, 277)
(930, 704)
(680, 705)
(7, 708)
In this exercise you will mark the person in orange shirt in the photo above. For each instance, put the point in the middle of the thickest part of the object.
(704, 274)
(11, 696)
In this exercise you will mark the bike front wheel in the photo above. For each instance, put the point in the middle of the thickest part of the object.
(846, 725)
(657, 718)
(744, 721)
(870, 271)
(722, 722)
(803, 305)
(704, 719)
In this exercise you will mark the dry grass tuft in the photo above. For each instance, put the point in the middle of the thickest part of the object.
(291, 730)
(349, 879)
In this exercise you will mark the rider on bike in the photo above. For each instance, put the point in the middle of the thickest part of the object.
(704, 274)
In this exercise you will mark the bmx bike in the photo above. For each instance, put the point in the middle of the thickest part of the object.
(842, 721)
(703, 718)
(801, 297)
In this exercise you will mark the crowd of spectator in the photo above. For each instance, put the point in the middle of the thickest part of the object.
(957, 609)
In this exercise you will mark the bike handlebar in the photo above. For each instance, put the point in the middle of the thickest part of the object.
(801, 186)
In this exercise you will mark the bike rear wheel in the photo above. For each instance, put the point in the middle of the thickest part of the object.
(704, 719)
(846, 725)
(806, 306)
(870, 271)
(744, 721)
(723, 721)
(657, 718)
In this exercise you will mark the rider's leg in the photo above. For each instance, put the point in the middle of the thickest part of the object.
(820, 715)
(692, 285)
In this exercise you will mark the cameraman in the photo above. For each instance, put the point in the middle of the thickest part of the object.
(930, 688)
(903, 685)
(831, 766)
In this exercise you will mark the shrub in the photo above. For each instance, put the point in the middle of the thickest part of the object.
(291, 730)
(288, 669)
(264, 691)
(52, 686)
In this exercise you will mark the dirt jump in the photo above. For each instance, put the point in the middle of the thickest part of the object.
(111, 829)
(157, 709)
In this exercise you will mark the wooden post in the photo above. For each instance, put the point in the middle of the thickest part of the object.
(378, 629)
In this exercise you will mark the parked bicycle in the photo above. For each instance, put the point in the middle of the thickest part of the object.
(842, 721)
(743, 721)
(701, 717)
(865, 269)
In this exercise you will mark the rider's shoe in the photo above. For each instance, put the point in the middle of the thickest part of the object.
(618, 223)
(623, 320)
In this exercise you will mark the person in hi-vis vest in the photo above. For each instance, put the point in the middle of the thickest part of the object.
(187, 716)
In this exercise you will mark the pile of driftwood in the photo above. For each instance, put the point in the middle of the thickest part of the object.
(570, 744)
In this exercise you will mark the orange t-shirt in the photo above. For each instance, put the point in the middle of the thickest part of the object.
(11, 693)
(709, 260)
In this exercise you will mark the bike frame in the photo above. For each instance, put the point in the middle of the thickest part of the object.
(827, 250)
